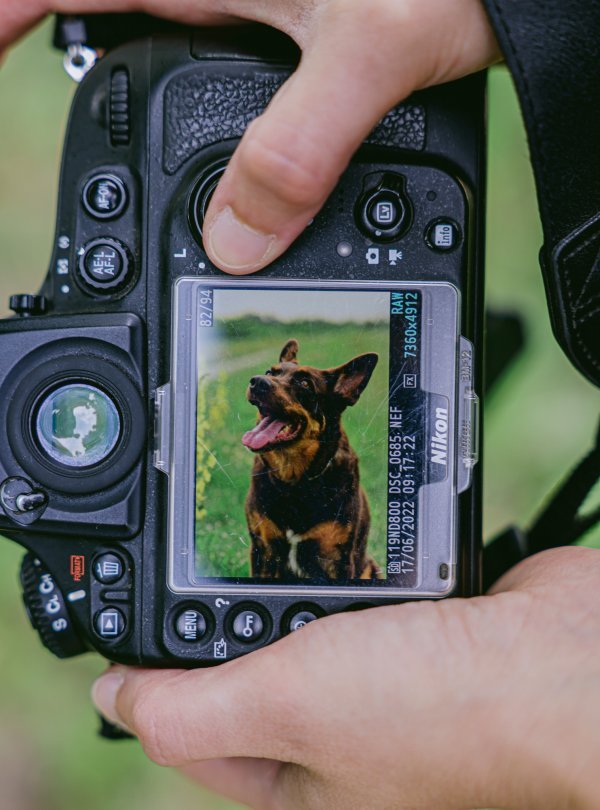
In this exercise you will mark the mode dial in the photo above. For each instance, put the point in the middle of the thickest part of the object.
(47, 611)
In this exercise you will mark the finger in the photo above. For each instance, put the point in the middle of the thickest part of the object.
(351, 73)
(245, 780)
(291, 157)
(544, 569)
(19, 16)
(182, 717)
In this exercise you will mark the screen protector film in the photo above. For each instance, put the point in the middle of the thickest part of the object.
(313, 436)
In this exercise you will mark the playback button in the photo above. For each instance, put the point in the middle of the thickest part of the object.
(110, 624)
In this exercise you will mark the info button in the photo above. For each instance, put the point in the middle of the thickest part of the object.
(442, 235)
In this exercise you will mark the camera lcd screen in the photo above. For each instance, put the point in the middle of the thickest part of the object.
(312, 412)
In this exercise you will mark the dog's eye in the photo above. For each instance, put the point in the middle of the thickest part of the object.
(304, 383)
(268, 372)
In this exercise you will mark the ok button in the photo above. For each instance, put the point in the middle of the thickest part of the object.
(248, 626)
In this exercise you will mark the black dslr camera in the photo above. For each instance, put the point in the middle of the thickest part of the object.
(199, 464)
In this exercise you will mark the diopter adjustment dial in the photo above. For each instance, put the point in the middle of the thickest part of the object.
(47, 611)
(25, 304)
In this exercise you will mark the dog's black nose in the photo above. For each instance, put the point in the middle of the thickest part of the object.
(260, 384)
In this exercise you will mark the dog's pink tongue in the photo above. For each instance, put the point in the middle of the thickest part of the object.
(263, 434)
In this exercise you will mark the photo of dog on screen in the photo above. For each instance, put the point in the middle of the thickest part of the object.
(307, 513)
(292, 433)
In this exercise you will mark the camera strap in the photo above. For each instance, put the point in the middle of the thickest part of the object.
(551, 49)
(560, 522)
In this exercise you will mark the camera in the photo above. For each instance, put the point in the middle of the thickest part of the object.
(198, 464)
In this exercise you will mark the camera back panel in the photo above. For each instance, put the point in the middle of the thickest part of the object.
(151, 129)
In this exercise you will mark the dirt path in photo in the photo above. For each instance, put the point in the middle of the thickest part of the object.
(265, 356)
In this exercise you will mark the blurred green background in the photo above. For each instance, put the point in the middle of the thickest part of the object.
(538, 423)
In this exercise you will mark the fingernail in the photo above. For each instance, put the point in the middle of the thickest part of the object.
(104, 694)
(236, 246)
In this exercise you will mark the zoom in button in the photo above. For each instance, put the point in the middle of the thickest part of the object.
(301, 619)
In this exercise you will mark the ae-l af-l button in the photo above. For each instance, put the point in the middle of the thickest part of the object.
(105, 265)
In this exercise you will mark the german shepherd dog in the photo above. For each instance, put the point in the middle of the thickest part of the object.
(307, 514)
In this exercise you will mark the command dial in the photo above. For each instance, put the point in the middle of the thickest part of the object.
(47, 610)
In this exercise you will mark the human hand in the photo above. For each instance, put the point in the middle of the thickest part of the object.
(358, 60)
(486, 702)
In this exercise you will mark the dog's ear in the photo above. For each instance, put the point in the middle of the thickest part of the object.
(289, 352)
(351, 379)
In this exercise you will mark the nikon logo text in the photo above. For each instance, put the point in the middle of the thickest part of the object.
(439, 440)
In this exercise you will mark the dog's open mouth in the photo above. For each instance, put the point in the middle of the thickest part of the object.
(270, 432)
